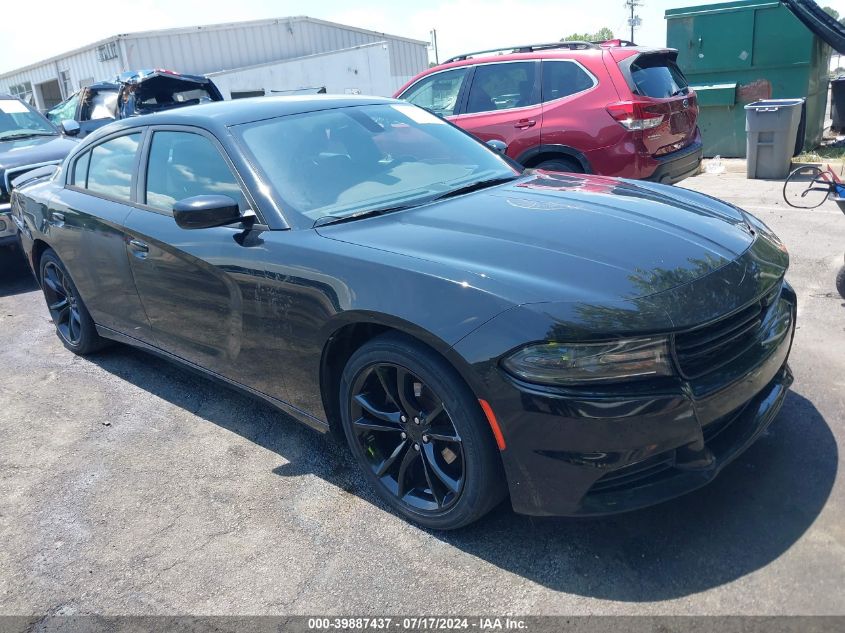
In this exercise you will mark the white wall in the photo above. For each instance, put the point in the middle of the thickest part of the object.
(238, 45)
(358, 70)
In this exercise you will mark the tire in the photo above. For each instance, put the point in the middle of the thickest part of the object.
(840, 282)
(74, 325)
(443, 473)
(561, 164)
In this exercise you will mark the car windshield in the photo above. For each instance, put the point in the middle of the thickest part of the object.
(18, 121)
(345, 161)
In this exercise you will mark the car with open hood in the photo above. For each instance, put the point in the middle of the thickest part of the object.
(27, 141)
(581, 344)
(131, 94)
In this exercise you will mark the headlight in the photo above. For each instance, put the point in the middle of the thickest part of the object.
(571, 364)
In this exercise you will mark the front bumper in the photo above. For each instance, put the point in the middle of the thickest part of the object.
(621, 448)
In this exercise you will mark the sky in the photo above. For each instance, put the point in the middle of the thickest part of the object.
(29, 35)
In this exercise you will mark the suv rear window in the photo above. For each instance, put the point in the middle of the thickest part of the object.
(657, 76)
(564, 78)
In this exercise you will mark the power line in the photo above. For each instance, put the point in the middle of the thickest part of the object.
(634, 21)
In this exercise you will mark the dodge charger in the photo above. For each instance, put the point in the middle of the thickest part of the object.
(578, 344)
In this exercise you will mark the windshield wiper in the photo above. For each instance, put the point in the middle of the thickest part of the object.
(337, 219)
(475, 186)
(20, 135)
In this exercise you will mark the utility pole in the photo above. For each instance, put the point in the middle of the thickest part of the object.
(433, 35)
(634, 21)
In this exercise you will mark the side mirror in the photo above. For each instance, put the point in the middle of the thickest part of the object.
(204, 212)
(498, 146)
(70, 127)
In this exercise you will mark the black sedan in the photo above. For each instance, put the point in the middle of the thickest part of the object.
(586, 345)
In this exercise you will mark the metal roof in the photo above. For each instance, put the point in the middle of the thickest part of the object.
(202, 28)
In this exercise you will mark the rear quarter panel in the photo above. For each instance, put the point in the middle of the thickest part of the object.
(581, 120)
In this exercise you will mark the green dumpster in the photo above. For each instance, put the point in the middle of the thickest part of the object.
(735, 53)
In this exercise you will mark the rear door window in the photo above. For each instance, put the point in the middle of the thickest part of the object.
(80, 170)
(111, 166)
(564, 78)
(438, 92)
(657, 76)
(503, 86)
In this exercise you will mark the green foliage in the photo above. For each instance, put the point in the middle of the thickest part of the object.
(834, 14)
(602, 34)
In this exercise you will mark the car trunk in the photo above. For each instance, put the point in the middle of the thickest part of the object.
(662, 99)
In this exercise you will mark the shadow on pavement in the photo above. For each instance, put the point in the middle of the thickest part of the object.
(755, 510)
(15, 274)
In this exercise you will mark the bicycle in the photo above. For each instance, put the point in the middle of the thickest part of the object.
(807, 187)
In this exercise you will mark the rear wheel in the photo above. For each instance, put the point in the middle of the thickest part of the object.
(74, 325)
(806, 187)
(561, 164)
(419, 435)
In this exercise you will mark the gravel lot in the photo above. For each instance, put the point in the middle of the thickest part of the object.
(129, 486)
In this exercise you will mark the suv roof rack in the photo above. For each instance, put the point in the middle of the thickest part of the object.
(613, 42)
(526, 48)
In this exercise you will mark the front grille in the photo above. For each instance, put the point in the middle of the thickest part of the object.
(708, 348)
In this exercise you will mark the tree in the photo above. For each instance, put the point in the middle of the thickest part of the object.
(602, 35)
(834, 14)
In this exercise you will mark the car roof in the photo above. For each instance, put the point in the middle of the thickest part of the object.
(593, 52)
(235, 112)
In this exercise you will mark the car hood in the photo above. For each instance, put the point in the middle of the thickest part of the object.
(38, 149)
(555, 237)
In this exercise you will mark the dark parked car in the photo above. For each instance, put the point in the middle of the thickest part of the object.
(27, 141)
(588, 344)
(604, 108)
(130, 94)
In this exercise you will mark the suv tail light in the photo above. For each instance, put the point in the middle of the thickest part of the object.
(635, 115)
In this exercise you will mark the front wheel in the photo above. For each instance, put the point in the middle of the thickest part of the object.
(74, 325)
(566, 165)
(419, 435)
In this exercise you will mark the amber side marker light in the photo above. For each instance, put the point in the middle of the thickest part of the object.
(494, 424)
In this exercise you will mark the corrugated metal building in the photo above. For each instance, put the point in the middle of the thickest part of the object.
(211, 49)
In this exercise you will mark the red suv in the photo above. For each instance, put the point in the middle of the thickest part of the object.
(611, 108)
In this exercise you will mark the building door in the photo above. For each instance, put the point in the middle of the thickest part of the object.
(50, 94)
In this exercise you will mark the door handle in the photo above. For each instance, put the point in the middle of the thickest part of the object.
(524, 124)
(139, 248)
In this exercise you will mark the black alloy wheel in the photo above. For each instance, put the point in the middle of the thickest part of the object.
(62, 303)
(418, 433)
(74, 325)
(407, 437)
